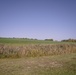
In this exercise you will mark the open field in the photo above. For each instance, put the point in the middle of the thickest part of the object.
(64, 64)
(19, 41)
(37, 57)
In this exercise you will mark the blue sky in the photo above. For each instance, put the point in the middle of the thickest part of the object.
(39, 19)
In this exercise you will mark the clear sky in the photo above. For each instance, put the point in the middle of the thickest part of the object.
(39, 19)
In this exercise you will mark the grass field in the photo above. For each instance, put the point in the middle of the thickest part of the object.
(23, 41)
(46, 65)
(19, 41)
(37, 57)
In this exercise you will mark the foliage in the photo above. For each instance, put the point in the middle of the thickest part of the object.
(48, 39)
(69, 40)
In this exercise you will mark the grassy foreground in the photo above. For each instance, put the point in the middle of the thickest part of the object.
(64, 64)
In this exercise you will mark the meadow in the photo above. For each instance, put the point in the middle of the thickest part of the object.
(37, 57)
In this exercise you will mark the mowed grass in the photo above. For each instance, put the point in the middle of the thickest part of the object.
(19, 41)
(47, 65)
(23, 41)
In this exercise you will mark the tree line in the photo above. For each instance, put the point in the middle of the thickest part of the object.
(69, 40)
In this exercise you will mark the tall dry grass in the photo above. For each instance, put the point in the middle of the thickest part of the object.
(34, 50)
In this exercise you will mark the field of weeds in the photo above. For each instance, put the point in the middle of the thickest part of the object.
(64, 64)
(35, 50)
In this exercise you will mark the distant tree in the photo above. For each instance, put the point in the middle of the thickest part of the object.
(35, 39)
(69, 40)
(13, 37)
(48, 39)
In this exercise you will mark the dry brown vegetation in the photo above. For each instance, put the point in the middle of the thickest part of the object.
(33, 50)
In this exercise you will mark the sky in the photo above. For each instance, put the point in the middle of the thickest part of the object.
(40, 19)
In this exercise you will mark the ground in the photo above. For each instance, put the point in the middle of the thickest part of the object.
(64, 64)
